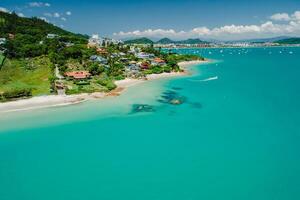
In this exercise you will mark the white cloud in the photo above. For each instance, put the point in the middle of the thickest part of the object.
(296, 16)
(69, 13)
(39, 4)
(63, 19)
(4, 10)
(21, 15)
(44, 18)
(289, 25)
(57, 15)
(48, 15)
(280, 17)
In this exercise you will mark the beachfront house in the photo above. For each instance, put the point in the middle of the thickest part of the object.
(99, 59)
(133, 70)
(78, 75)
(132, 66)
(158, 61)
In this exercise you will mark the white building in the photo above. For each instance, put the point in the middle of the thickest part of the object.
(52, 36)
(143, 55)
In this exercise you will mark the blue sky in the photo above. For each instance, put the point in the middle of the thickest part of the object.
(219, 19)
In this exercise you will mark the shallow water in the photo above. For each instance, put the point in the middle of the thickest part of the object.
(232, 137)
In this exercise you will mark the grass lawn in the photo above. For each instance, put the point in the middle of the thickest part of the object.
(32, 73)
(1, 58)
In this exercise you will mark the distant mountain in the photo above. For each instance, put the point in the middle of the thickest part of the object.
(188, 41)
(192, 41)
(143, 40)
(289, 41)
(262, 40)
(165, 41)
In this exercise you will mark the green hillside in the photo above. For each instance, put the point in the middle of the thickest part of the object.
(165, 41)
(139, 41)
(191, 41)
(289, 41)
(31, 55)
(38, 28)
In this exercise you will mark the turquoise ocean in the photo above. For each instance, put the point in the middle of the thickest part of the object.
(235, 137)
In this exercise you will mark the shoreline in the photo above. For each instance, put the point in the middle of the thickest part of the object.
(49, 101)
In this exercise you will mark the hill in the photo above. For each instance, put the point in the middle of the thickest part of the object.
(143, 40)
(28, 56)
(192, 41)
(35, 27)
(289, 41)
(188, 41)
(165, 41)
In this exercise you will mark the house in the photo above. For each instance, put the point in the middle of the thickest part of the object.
(68, 44)
(133, 70)
(11, 36)
(145, 65)
(99, 59)
(94, 41)
(132, 67)
(101, 51)
(124, 60)
(2, 41)
(114, 55)
(134, 50)
(78, 75)
(143, 55)
(51, 36)
(158, 61)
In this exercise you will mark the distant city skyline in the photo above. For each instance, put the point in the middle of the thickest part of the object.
(177, 19)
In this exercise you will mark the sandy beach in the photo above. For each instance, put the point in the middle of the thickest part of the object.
(64, 100)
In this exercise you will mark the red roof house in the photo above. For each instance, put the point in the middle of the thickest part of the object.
(78, 74)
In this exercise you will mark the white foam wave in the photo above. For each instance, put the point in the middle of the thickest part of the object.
(207, 79)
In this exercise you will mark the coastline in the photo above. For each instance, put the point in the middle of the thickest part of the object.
(66, 100)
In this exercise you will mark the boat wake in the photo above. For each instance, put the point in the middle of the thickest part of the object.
(208, 79)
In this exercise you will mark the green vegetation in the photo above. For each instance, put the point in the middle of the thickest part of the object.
(140, 41)
(15, 94)
(29, 74)
(1, 60)
(39, 58)
(35, 27)
(192, 41)
(289, 41)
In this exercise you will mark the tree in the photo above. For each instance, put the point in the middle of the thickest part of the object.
(95, 69)
(73, 52)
